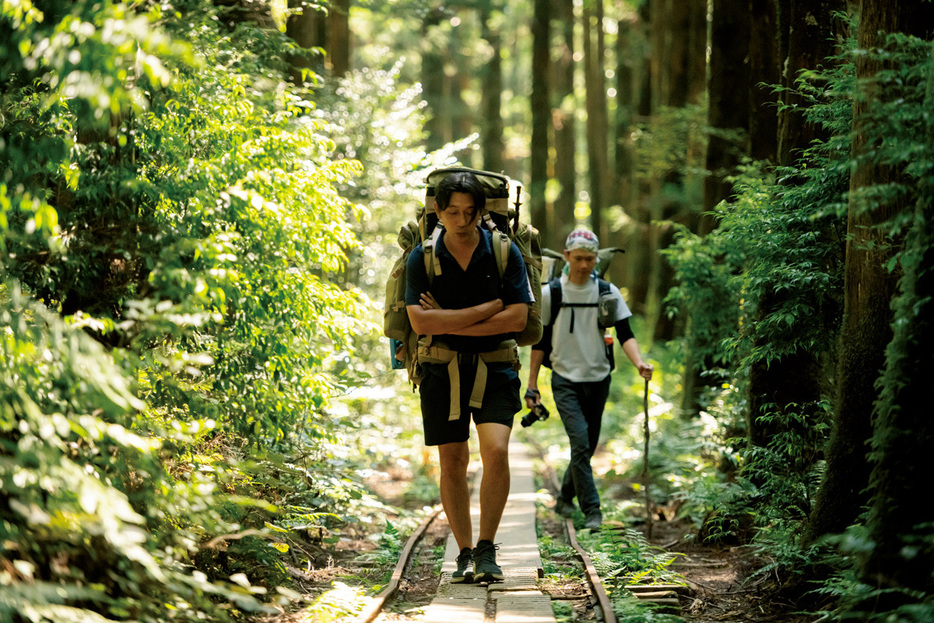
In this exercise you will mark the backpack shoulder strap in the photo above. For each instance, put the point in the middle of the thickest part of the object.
(501, 251)
(554, 289)
(432, 264)
(603, 287)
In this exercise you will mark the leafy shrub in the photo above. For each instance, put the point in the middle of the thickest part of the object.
(178, 203)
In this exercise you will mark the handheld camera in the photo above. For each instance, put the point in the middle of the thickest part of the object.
(538, 412)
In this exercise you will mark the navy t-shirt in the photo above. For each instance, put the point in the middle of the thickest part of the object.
(456, 288)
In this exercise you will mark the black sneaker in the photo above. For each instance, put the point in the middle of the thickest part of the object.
(485, 568)
(565, 509)
(594, 520)
(464, 572)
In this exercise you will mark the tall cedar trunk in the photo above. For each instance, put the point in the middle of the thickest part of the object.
(622, 160)
(867, 314)
(433, 82)
(597, 126)
(623, 148)
(903, 435)
(639, 248)
(793, 381)
(728, 109)
(728, 120)
(541, 112)
(459, 112)
(304, 29)
(564, 127)
(764, 72)
(339, 37)
(810, 42)
(682, 25)
(491, 92)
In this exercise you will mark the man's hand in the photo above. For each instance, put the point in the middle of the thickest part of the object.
(427, 301)
(645, 370)
(532, 397)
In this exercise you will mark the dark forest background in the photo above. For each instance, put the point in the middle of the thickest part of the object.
(198, 207)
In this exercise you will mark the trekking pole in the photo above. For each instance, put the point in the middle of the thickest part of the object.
(645, 463)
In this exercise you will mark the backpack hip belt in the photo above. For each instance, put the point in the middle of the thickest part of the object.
(438, 352)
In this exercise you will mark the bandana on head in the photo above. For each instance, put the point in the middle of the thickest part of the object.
(582, 239)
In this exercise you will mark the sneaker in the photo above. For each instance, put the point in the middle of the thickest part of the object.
(464, 572)
(565, 509)
(593, 520)
(485, 568)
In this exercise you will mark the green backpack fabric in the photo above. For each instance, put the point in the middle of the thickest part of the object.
(498, 217)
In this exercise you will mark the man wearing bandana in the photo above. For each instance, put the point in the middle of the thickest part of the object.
(580, 380)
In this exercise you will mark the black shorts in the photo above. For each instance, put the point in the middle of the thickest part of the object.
(500, 404)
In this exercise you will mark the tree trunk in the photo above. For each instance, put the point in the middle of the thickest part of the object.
(304, 29)
(491, 92)
(461, 115)
(728, 107)
(904, 434)
(565, 104)
(870, 285)
(728, 120)
(639, 249)
(678, 24)
(433, 83)
(812, 30)
(597, 124)
(764, 72)
(541, 111)
(623, 147)
(339, 37)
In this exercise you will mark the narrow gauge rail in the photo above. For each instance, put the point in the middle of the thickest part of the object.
(518, 597)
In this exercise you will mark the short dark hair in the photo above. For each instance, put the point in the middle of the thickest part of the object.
(461, 182)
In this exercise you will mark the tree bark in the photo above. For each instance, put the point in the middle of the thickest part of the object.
(639, 248)
(812, 30)
(728, 120)
(541, 112)
(623, 147)
(870, 286)
(904, 434)
(764, 73)
(597, 124)
(792, 381)
(304, 28)
(458, 82)
(339, 43)
(728, 107)
(433, 83)
(491, 90)
(899, 524)
(565, 109)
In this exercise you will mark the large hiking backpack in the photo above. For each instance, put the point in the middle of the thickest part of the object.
(500, 218)
(553, 262)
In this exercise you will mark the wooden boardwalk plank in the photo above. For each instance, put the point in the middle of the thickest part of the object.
(517, 598)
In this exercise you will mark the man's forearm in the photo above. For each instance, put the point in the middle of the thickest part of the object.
(631, 348)
(510, 320)
(536, 358)
(446, 321)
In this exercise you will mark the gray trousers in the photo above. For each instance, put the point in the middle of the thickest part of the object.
(580, 406)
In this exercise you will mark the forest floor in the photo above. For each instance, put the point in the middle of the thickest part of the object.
(722, 577)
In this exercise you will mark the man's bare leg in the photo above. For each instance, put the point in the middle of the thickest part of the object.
(494, 487)
(455, 493)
